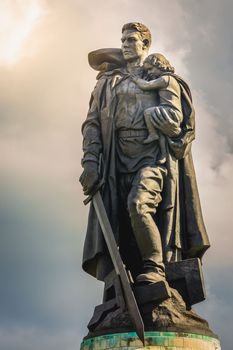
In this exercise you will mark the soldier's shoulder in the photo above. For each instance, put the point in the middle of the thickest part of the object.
(107, 75)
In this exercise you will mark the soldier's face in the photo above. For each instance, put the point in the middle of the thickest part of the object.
(132, 46)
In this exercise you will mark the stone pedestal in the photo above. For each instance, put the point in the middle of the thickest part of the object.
(153, 340)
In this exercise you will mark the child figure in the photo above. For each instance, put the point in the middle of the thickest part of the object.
(159, 69)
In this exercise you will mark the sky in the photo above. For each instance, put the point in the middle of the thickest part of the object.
(46, 300)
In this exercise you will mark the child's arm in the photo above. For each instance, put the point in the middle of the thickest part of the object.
(158, 83)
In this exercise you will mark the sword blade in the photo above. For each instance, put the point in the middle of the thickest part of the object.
(119, 266)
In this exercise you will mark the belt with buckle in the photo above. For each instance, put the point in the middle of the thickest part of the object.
(132, 133)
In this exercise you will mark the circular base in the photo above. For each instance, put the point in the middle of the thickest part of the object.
(153, 340)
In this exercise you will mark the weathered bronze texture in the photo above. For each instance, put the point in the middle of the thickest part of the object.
(119, 267)
(137, 141)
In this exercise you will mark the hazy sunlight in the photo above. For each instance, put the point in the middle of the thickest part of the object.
(17, 20)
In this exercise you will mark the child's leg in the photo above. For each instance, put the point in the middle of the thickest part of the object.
(153, 133)
(162, 144)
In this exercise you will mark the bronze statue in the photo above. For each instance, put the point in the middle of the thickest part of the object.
(145, 237)
(153, 208)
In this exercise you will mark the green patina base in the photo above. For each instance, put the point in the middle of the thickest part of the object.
(153, 340)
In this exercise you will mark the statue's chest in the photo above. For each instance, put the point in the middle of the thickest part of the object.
(132, 98)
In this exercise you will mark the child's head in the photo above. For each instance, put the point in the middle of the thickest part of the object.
(156, 64)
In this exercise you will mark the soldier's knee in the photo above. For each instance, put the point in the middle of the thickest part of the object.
(143, 202)
(134, 207)
(141, 206)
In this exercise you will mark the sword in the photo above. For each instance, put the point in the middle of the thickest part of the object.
(118, 265)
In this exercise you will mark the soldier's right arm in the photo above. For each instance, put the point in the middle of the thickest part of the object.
(91, 130)
(92, 148)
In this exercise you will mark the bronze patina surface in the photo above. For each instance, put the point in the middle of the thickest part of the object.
(137, 140)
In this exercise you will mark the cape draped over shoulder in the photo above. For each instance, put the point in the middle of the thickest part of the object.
(179, 216)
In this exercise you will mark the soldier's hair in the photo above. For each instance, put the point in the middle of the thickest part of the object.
(140, 28)
(158, 60)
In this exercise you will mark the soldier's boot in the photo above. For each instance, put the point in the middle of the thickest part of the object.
(152, 273)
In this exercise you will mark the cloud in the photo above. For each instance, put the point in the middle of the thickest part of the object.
(18, 19)
(37, 339)
(208, 27)
(217, 309)
(214, 166)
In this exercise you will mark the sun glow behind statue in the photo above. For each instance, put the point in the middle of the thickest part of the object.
(18, 18)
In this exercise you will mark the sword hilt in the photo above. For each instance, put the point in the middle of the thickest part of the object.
(96, 189)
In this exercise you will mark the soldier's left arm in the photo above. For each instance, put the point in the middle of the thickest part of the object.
(179, 136)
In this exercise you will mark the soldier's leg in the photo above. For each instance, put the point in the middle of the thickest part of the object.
(127, 244)
(143, 200)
